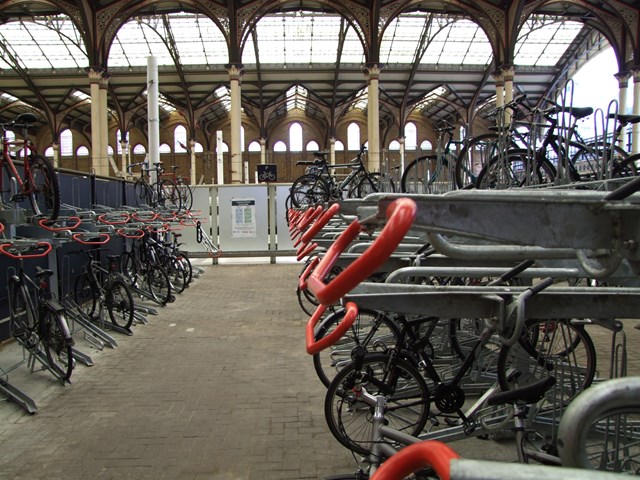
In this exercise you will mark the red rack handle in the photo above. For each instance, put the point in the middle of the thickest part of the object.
(102, 238)
(320, 223)
(302, 283)
(123, 233)
(315, 213)
(314, 346)
(1, 228)
(104, 218)
(430, 453)
(400, 216)
(46, 245)
(164, 228)
(153, 216)
(46, 224)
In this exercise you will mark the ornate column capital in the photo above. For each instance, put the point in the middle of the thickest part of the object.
(95, 74)
(236, 70)
(372, 71)
(508, 72)
(623, 78)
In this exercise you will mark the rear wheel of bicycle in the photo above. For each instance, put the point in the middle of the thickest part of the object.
(598, 161)
(159, 284)
(628, 167)
(21, 312)
(86, 296)
(330, 361)
(309, 190)
(407, 400)
(183, 258)
(550, 348)
(43, 187)
(427, 174)
(475, 154)
(56, 346)
(514, 169)
(170, 197)
(143, 194)
(119, 303)
(177, 275)
(368, 184)
(186, 195)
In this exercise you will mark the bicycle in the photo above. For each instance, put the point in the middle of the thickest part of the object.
(318, 185)
(182, 184)
(162, 193)
(98, 289)
(37, 318)
(38, 182)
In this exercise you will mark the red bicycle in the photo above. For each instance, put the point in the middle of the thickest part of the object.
(38, 182)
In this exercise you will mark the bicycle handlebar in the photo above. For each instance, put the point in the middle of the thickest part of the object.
(44, 221)
(102, 238)
(46, 245)
(400, 216)
(313, 346)
(430, 453)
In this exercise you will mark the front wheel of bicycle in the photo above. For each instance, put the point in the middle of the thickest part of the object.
(159, 284)
(406, 406)
(309, 190)
(21, 310)
(119, 303)
(186, 195)
(54, 333)
(428, 174)
(170, 197)
(86, 296)
(42, 187)
(546, 348)
(143, 194)
(514, 168)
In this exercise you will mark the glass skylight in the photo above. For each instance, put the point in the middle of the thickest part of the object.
(223, 94)
(297, 98)
(543, 40)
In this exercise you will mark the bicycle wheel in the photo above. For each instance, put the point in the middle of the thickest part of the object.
(21, 311)
(372, 330)
(42, 187)
(119, 303)
(406, 407)
(143, 194)
(550, 348)
(169, 196)
(628, 167)
(426, 174)
(475, 154)
(588, 163)
(86, 296)
(159, 284)
(515, 169)
(464, 335)
(184, 259)
(177, 275)
(128, 267)
(186, 195)
(54, 336)
(309, 190)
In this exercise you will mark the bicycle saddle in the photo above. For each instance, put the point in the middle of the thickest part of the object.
(43, 272)
(626, 119)
(528, 394)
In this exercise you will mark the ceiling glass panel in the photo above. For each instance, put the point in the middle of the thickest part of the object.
(543, 40)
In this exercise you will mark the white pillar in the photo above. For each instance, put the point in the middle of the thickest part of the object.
(401, 141)
(153, 114)
(104, 126)
(508, 92)
(332, 150)
(235, 74)
(124, 161)
(263, 150)
(220, 158)
(373, 116)
(192, 176)
(95, 75)
(56, 154)
(635, 136)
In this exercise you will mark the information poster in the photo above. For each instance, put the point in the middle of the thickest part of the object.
(243, 213)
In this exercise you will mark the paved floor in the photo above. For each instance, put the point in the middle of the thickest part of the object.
(217, 386)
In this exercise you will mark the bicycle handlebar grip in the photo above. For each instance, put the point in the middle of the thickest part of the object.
(400, 216)
(123, 233)
(103, 219)
(430, 453)
(102, 238)
(345, 324)
(43, 223)
(46, 245)
(320, 223)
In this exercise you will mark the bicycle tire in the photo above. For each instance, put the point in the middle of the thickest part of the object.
(474, 155)
(590, 156)
(330, 361)
(21, 311)
(464, 334)
(86, 296)
(628, 167)
(119, 303)
(309, 190)
(511, 170)
(142, 194)
(369, 183)
(159, 284)
(550, 347)
(169, 196)
(425, 175)
(128, 267)
(186, 195)
(43, 187)
(407, 407)
(55, 344)
(177, 274)
(184, 259)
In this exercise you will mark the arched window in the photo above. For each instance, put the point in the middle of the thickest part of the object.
(82, 151)
(198, 148)
(180, 139)
(394, 145)
(339, 146)
(353, 136)
(254, 146)
(295, 137)
(280, 146)
(48, 152)
(312, 146)
(410, 136)
(224, 147)
(66, 143)
(139, 149)
(164, 148)
(426, 145)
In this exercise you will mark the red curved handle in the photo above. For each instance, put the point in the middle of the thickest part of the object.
(173, 227)
(1, 228)
(320, 223)
(104, 218)
(295, 225)
(315, 213)
(172, 216)
(43, 223)
(46, 245)
(400, 215)
(103, 238)
(430, 453)
(302, 283)
(159, 229)
(314, 347)
(305, 250)
(123, 233)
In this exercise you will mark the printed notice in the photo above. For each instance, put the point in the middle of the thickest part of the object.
(243, 212)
